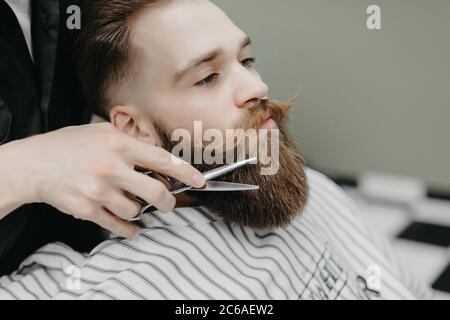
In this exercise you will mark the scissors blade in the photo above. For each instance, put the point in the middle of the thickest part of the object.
(179, 187)
(223, 170)
(213, 186)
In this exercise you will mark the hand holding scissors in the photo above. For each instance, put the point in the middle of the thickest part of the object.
(177, 187)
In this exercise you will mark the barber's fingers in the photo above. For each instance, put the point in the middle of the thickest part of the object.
(162, 161)
(150, 190)
(120, 205)
(114, 224)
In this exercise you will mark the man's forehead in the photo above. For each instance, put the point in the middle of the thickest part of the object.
(182, 30)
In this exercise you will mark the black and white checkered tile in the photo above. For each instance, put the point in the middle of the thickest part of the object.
(419, 232)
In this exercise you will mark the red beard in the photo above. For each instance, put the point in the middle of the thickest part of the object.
(280, 198)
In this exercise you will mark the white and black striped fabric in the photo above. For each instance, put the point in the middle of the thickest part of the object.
(325, 253)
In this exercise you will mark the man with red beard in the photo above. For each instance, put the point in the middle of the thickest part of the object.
(152, 67)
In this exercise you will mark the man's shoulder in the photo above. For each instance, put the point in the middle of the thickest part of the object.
(320, 183)
(314, 175)
(325, 194)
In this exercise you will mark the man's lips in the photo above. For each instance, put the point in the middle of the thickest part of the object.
(269, 124)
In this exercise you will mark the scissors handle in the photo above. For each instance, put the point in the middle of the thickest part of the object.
(175, 188)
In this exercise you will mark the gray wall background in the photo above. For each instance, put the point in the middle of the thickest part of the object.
(370, 100)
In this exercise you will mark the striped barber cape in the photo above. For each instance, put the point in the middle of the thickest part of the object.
(190, 253)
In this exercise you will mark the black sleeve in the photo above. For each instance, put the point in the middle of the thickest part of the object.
(5, 121)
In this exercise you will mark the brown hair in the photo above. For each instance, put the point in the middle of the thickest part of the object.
(104, 54)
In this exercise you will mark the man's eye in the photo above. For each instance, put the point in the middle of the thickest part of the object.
(249, 62)
(211, 79)
(208, 80)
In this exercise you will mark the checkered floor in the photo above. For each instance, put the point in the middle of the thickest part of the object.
(420, 234)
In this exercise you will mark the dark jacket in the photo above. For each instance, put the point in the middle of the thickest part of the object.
(36, 98)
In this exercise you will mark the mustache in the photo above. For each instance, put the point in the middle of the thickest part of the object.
(264, 109)
(255, 118)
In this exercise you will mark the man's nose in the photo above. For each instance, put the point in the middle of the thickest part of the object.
(250, 90)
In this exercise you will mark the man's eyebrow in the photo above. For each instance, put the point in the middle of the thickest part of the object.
(210, 56)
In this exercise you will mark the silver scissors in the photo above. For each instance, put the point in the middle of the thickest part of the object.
(177, 187)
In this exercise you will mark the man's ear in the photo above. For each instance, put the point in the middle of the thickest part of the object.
(133, 123)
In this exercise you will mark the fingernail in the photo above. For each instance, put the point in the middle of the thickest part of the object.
(198, 180)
